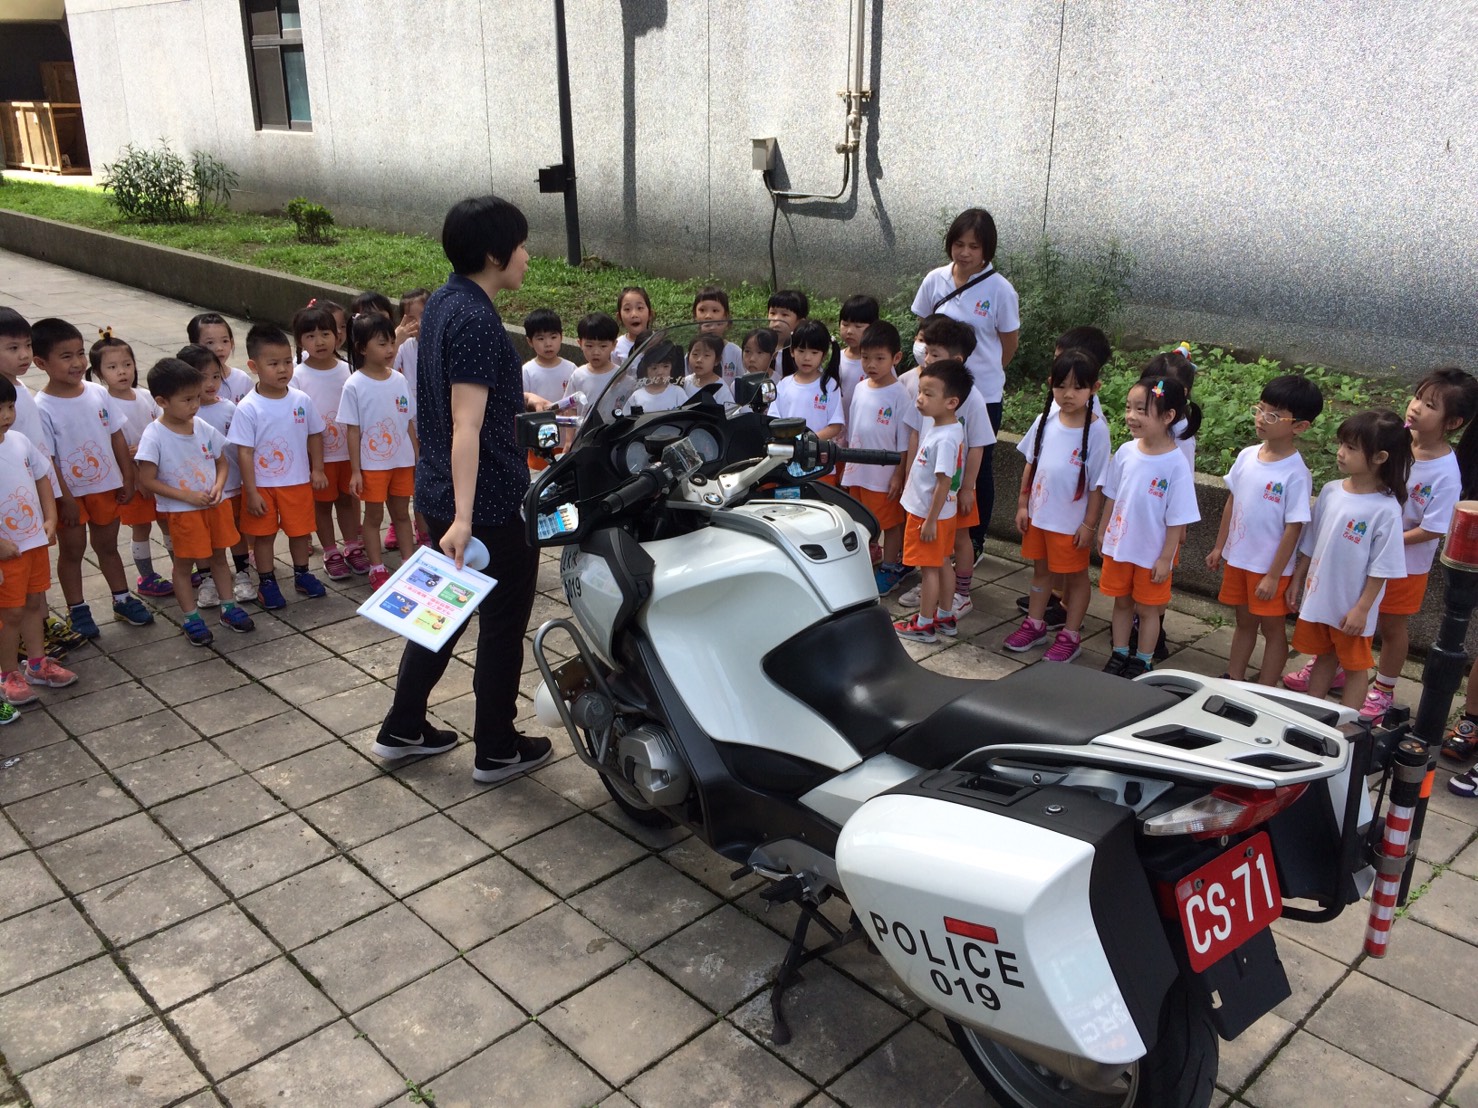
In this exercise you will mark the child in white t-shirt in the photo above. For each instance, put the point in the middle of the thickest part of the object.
(182, 463)
(711, 312)
(659, 392)
(1268, 492)
(278, 435)
(812, 392)
(210, 330)
(857, 315)
(634, 311)
(929, 497)
(876, 421)
(110, 363)
(379, 417)
(407, 351)
(547, 374)
(704, 358)
(322, 375)
(758, 352)
(596, 336)
(1067, 451)
(1150, 498)
(1350, 549)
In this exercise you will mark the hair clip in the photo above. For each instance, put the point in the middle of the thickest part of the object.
(105, 333)
(1185, 348)
(1159, 389)
(313, 303)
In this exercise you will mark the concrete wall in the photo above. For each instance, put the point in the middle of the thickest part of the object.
(1292, 177)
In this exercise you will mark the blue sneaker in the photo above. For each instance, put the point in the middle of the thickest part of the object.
(131, 610)
(236, 619)
(886, 577)
(197, 632)
(309, 586)
(80, 618)
(269, 596)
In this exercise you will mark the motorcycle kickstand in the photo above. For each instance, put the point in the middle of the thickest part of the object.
(797, 955)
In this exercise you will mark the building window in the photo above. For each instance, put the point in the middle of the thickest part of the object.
(279, 74)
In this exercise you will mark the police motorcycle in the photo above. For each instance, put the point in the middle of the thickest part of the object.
(1077, 871)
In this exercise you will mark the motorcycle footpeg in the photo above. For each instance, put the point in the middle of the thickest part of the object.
(741, 873)
(790, 889)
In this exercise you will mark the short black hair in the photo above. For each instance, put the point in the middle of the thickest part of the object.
(371, 301)
(597, 327)
(956, 337)
(479, 228)
(954, 375)
(366, 326)
(417, 293)
(170, 376)
(791, 300)
(980, 222)
(1296, 394)
(714, 293)
(49, 333)
(884, 334)
(860, 309)
(543, 321)
(265, 334)
(13, 325)
(7, 390)
(1091, 340)
(199, 356)
(207, 319)
(711, 341)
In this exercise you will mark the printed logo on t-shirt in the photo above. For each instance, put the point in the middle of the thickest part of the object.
(18, 515)
(87, 465)
(403, 404)
(205, 449)
(103, 417)
(1076, 457)
(381, 439)
(1355, 532)
(1273, 491)
(333, 435)
(982, 307)
(819, 402)
(1159, 487)
(274, 458)
(300, 414)
(1420, 494)
(885, 415)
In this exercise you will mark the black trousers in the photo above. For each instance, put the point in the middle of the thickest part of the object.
(985, 483)
(502, 619)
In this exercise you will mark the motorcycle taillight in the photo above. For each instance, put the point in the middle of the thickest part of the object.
(1226, 810)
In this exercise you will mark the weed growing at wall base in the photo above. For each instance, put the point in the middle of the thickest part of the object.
(158, 186)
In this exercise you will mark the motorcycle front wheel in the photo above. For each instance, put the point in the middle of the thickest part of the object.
(1179, 1072)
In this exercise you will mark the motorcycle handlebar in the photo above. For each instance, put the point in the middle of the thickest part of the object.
(645, 485)
(867, 457)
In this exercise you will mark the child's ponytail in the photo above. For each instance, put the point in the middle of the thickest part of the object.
(1192, 419)
(1374, 432)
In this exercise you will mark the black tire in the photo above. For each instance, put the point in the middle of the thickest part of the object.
(654, 818)
(1179, 1072)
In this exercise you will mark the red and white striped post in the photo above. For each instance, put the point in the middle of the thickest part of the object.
(1393, 855)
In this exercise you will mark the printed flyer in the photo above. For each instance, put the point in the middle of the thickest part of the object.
(428, 598)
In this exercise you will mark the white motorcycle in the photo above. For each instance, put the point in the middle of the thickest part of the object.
(1076, 870)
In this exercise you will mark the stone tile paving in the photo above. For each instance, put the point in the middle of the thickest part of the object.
(210, 893)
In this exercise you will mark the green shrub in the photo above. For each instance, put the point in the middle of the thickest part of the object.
(312, 220)
(159, 186)
(211, 182)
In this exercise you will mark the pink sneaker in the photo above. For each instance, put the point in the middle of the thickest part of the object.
(1298, 680)
(378, 575)
(49, 675)
(356, 557)
(423, 538)
(947, 624)
(15, 689)
(1065, 647)
(335, 566)
(1031, 633)
(1378, 702)
(390, 539)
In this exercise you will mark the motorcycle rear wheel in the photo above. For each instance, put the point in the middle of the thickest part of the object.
(1179, 1072)
(643, 817)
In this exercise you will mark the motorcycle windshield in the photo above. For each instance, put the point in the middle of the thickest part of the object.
(656, 372)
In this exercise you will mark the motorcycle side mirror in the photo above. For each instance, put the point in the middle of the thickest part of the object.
(754, 390)
(536, 430)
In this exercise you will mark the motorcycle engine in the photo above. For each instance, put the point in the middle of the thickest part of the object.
(648, 758)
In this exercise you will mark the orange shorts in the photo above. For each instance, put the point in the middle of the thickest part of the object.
(889, 512)
(968, 519)
(382, 483)
(833, 479)
(1128, 579)
(927, 555)
(25, 575)
(338, 474)
(1057, 549)
(289, 510)
(199, 534)
(141, 509)
(1404, 595)
(100, 508)
(1239, 590)
(1353, 651)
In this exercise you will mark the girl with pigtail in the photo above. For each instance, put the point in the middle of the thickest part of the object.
(1067, 453)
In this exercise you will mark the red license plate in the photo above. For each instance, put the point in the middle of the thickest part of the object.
(1228, 900)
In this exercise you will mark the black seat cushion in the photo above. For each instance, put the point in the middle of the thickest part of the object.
(1044, 703)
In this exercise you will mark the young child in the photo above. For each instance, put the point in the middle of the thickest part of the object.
(857, 315)
(322, 376)
(94, 472)
(1067, 451)
(408, 333)
(341, 326)
(27, 526)
(758, 351)
(366, 303)
(875, 422)
(812, 392)
(634, 310)
(711, 311)
(1149, 499)
(110, 363)
(705, 357)
(596, 334)
(218, 412)
(182, 464)
(1350, 549)
(1177, 363)
(278, 435)
(787, 307)
(1268, 493)
(547, 373)
(210, 330)
(659, 392)
(929, 496)
(1445, 402)
(379, 414)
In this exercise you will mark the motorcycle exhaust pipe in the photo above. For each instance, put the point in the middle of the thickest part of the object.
(1409, 770)
(1099, 1077)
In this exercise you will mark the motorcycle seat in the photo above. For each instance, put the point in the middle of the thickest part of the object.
(854, 672)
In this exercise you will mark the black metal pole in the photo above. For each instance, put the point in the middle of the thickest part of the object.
(567, 137)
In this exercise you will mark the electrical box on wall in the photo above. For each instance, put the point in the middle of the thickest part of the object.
(764, 154)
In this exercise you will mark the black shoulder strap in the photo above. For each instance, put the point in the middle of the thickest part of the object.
(970, 284)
